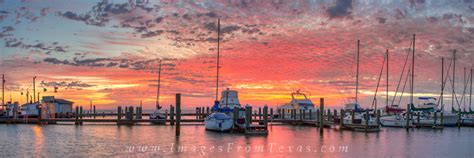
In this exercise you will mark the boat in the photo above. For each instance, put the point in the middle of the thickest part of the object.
(395, 120)
(427, 109)
(221, 118)
(360, 119)
(299, 101)
(158, 117)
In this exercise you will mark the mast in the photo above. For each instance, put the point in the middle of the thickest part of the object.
(463, 101)
(386, 95)
(218, 56)
(454, 78)
(158, 89)
(413, 71)
(470, 94)
(34, 91)
(441, 98)
(357, 74)
(3, 90)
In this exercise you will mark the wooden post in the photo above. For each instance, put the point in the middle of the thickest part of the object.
(442, 118)
(352, 116)
(197, 113)
(234, 118)
(459, 118)
(310, 111)
(260, 113)
(321, 119)
(271, 114)
(80, 115)
(208, 111)
(435, 119)
(301, 114)
(408, 117)
(335, 113)
(378, 117)
(171, 115)
(282, 116)
(265, 116)
(317, 114)
(304, 114)
(341, 120)
(77, 116)
(329, 115)
(119, 114)
(248, 116)
(418, 119)
(178, 114)
(95, 112)
(366, 120)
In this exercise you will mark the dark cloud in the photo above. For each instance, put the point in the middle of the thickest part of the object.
(67, 85)
(342, 8)
(112, 62)
(48, 48)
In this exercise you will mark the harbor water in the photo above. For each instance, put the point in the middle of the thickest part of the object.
(23, 140)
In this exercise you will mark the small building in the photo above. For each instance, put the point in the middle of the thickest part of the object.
(58, 106)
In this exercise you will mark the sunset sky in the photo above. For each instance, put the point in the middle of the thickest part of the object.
(107, 51)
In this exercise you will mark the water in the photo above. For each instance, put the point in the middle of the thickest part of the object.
(282, 141)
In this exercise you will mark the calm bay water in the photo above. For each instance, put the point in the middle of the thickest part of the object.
(282, 141)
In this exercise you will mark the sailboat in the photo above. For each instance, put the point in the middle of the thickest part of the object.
(220, 118)
(359, 116)
(157, 116)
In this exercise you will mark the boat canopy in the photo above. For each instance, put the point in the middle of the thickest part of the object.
(220, 116)
(427, 98)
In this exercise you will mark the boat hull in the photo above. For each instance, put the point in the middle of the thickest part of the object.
(393, 121)
(218, 125)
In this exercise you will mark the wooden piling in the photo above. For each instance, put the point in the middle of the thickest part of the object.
(366, 117)
(378, 117)
(248, 116)
(235, 116)
(435, 119)
(310, 111)
(265, 116)
(317, 114)
(341, 120)
(178, 114)
(408, 117)
(352, 116)
(171, 115)
(77, 116)
(260, 113)
(271, 114)
(95, 112)
(418, 118)
(119, 114)
(459, 118)
(304, 114)
(321, 119)
(301, 114)
(80, 115)
(282, 116)
(208, 111)
(442, 118)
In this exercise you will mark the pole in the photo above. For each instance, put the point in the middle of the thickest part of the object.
(3, 90)
(413, 71)
(34, 90)
(386, 91)
(470, 94)
(321, 118)
(357, 74)
(454, 78)
(158, 89)
(218, 56)
(442, 84)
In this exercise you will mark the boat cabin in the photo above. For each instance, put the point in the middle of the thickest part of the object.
(230, 99)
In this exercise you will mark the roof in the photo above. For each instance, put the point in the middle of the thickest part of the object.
(62, 101)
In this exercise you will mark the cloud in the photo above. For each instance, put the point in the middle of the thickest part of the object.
(66, 85)
(48, 48)
(150, 64)
(342, 8)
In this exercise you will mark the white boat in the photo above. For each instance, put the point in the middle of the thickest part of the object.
(221, 117)
(29, 110)
(468, 120)
(360, 119)
(158, 117)
(299, 101)
(397, 120)
(427, 109)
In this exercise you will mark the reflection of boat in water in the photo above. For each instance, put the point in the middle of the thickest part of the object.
(222, 112)
(158, 117)
(299, 101)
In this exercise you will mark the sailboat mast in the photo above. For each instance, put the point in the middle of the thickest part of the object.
(218, 56)
(454, 78)
(3, 90)
(441, 98)
(158, 87)
(357, 74)
(386, 91)
(413, 71)
(470, 93)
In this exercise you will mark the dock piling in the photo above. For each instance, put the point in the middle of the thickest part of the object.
(171, 115)
(178, 114)
(321, 118)
(265, 116)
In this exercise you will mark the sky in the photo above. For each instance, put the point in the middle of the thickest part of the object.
(107, 51)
